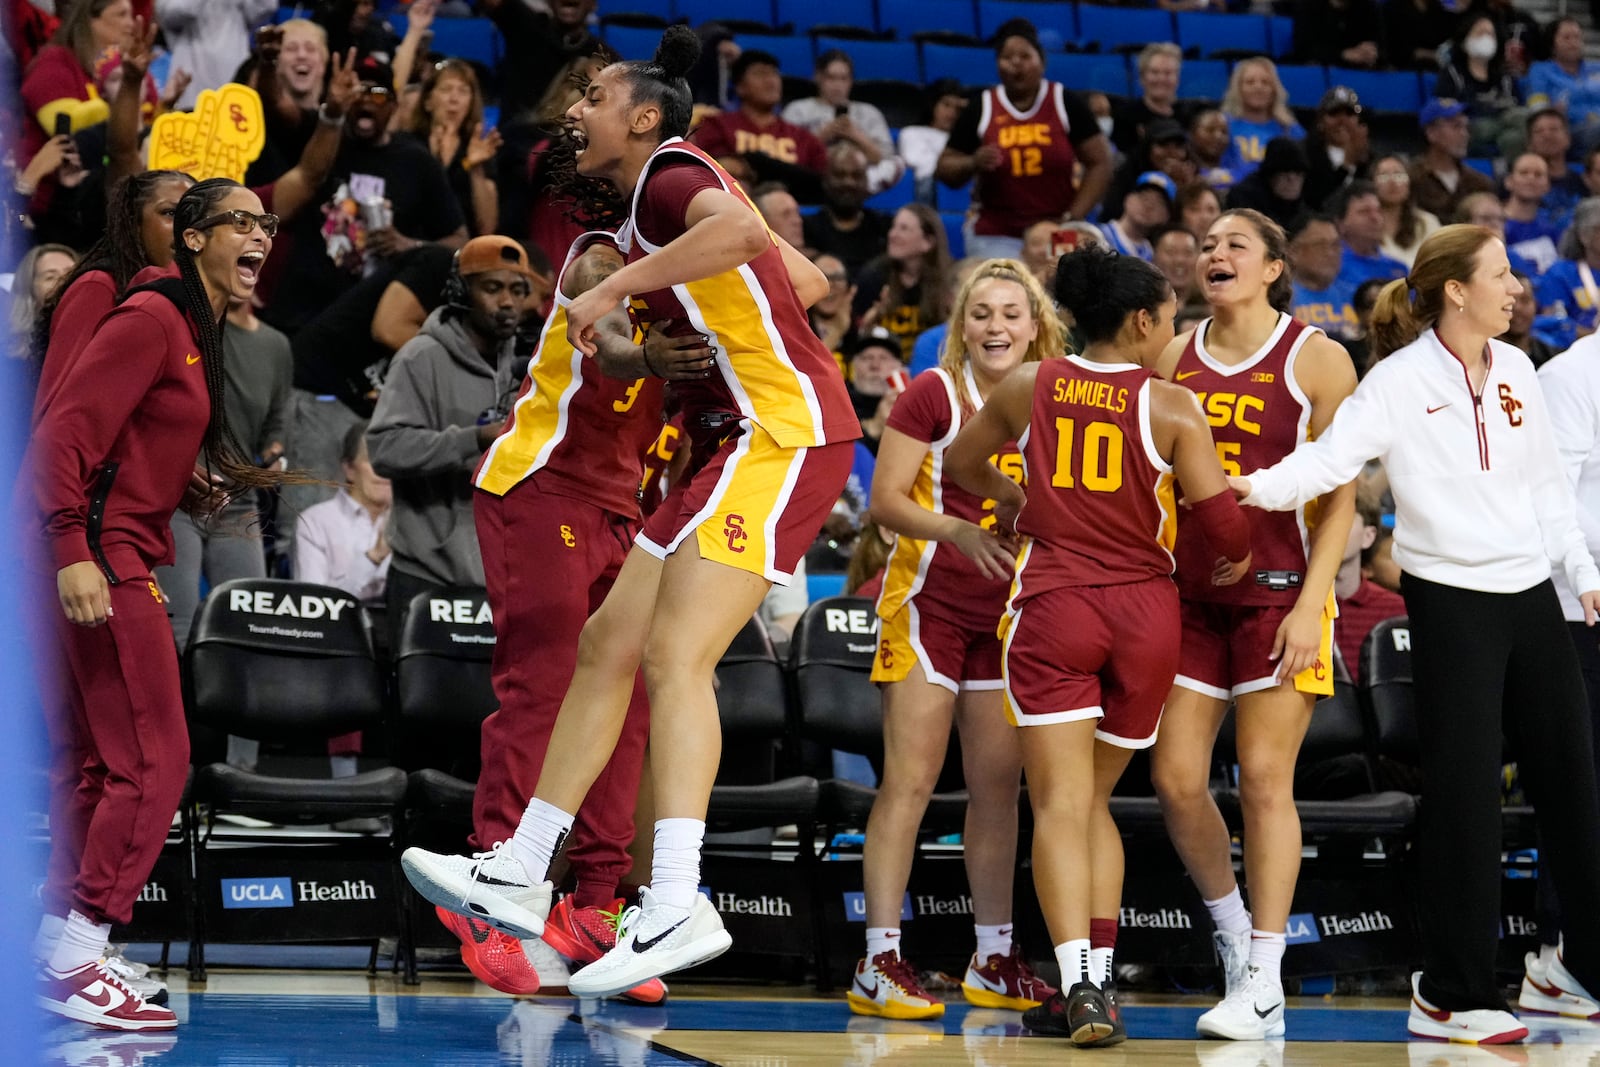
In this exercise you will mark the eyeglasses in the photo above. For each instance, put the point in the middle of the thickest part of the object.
(242, 222)
(1392, 179)
(379, 92)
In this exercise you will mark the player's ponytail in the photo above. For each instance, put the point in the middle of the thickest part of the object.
(663, 80)
(1408, 306)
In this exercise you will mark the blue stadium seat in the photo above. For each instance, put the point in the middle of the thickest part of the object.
(897, 195)
(1124, 28)
(473, 39)
(823, 585)
(804, 14)
(1280, 35)
(1211, 32)
(1382, 90)
(631, 42)
(953, 200)
(1044, 14)
(906, 17)
(793, 52)
(969, 66)
(1085, 72)
(1482, 166)
(953, 221)
(878, 59)
(1203, 79)
(1305, 85)
(696, 12)
(661, 9)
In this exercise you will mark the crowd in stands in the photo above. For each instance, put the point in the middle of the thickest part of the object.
(384, 156)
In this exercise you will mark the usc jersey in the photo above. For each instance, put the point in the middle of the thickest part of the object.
(771, 368)
(930, 410)
(1258, 415)
(1039, 176)
(1101, 506)
(583, 433)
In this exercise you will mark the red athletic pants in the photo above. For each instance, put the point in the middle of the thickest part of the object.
(119, 747)
(548, 562)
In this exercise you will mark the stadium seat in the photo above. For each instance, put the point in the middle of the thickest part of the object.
(1087, 72)
(1123, 29)
(953, 200)
(953, 223)
(903, 103)
(1203, 79)
(879, 59)
(1481, 165)
(632, 42)
(292, 662)
(802, 15)
(1386, 687)
(897, 195)
(443, 692)
(477, 40)
(1305, 85)
(1046, 15)
(661, 9)
(1398, 91)
(794, 52)
(1280, 35)
(969, 66)
(700, 12)
(906, 18)
(1210, 33)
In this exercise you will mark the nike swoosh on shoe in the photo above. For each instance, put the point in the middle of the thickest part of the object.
(643, 945)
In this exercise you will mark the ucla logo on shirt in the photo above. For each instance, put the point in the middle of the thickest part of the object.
(257, 893)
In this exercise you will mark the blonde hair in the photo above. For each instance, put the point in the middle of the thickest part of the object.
(1050, 342)
(1450, 254)
(1159, 48)
(1233, 99)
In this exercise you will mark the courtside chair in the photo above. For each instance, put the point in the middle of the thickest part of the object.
(280, 661)
(1122, 29)
(443, 692)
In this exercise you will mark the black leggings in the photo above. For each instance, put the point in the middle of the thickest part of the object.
(1484, 663)
(1586, 641)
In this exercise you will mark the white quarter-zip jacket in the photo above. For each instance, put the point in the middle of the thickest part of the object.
(1571, 384)
(1482, 501)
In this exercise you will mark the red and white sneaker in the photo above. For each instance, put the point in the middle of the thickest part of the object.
(1005, 982)
(887, 986)
(1479, 1026)
(583, 935)
(495, 959)
(92, 994)
(1551, 988)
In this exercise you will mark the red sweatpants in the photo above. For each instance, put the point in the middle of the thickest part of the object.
(119, 750)
(548, 562)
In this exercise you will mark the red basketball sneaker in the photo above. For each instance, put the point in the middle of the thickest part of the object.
(583, 935)
(494, 958)
(92, 994)
(1005, 982)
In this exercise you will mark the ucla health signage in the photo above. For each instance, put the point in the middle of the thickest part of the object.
(257, 893)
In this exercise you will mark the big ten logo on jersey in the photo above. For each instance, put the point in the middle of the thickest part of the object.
(1239, 410)
(733, 529)
(1012, 466)
(1024, 144)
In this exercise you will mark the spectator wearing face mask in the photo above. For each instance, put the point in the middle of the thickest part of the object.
(1476, 75)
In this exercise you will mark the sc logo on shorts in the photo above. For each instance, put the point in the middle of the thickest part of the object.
(733, 529)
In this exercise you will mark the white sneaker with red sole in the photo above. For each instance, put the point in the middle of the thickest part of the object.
(1478, 1026)
(93, 994)
(1550, 987)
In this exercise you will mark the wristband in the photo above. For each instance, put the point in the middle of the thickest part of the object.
(328, 120)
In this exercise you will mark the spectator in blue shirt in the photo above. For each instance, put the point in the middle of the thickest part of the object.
(1532, 230)
(1569, 81)
(1257, 106)
(1359, 215)
(1146, 208)
(1549, 136)
(1569, 290)
(1321, 297)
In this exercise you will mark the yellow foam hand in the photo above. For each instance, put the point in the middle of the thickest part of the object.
(219, 139)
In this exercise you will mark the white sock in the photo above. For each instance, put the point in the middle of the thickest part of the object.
(882, 939)
(675, 870)
(992, 941)
(1229, 914)
(81, 942)
(540, 834)
(1100, 965)
(1266, 952)
(342, 767)
(1073, 957)
(50, 927)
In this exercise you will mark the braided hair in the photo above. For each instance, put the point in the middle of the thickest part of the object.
(120, 252)
(220, 449)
